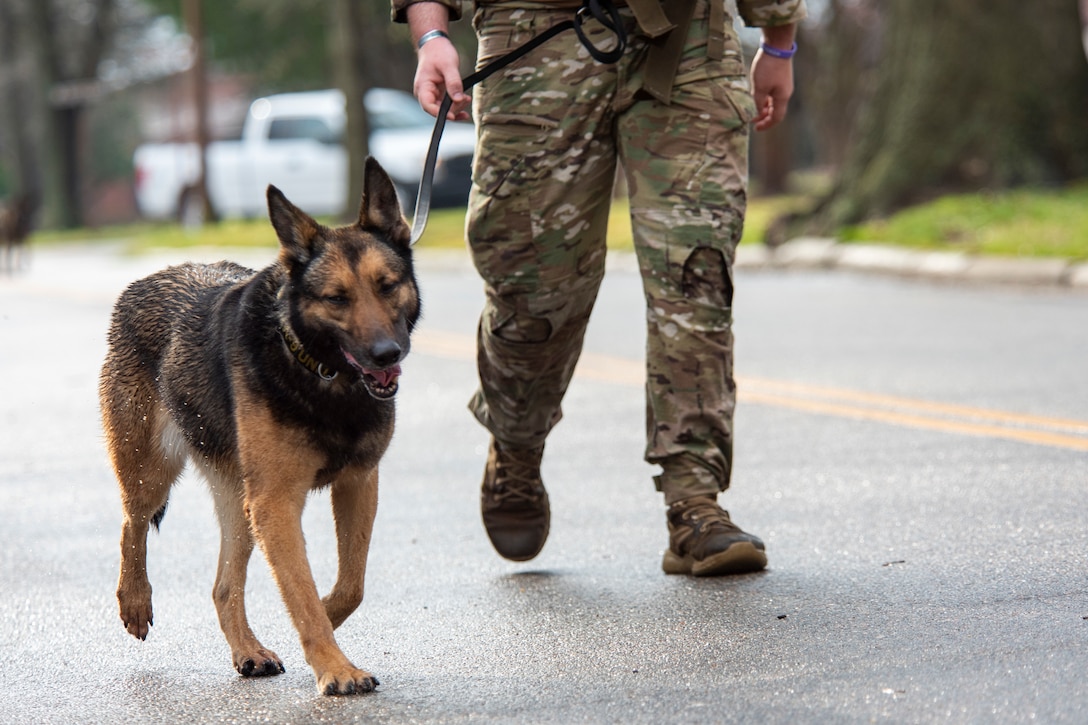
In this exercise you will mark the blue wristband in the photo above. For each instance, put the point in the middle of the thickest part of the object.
(778, 52)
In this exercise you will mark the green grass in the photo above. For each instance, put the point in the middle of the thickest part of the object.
(1036, 223)
(142, 236)
(446, 227)
(1051, 223)
(761, 212)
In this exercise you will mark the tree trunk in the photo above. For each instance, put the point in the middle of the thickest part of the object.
(40, 34)
(772, 158)
(349, 39)
(16, 79)
(61, 104)
(835, 72)
(970, 94)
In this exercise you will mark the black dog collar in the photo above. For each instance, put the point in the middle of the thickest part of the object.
(306, 359)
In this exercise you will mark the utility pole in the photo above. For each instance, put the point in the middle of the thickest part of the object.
(194, 23)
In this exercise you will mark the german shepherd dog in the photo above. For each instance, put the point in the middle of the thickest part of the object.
(273, 383)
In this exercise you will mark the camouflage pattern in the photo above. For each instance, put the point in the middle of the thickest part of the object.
(769, 13)
(755, 13)
(551, 129)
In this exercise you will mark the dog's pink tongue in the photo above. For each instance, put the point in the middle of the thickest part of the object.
(385, 377)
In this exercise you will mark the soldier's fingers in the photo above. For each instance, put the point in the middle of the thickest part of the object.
(765, 112)
(460, 99)
(428, 98)
(459, 112)
(779, 104)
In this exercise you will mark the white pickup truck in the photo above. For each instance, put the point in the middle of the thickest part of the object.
(293, 140)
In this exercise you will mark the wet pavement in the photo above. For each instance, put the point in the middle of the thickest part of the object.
(915, 455)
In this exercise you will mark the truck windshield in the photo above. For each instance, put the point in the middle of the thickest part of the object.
(387, 108)
(293, 129)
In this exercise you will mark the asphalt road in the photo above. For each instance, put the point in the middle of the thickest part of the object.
(915, 455)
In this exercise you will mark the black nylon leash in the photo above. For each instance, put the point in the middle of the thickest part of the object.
(603, 11)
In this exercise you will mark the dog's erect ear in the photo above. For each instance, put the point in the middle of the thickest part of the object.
(295, 228)
(380, 208)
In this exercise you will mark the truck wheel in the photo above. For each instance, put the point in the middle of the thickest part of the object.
(191, 210)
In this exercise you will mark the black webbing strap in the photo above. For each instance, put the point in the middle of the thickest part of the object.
(603, 11)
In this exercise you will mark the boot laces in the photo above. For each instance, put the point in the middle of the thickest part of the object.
(707, 516)
(517, 477)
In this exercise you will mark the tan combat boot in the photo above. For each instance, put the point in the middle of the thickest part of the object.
(703, 541)
(513, 501)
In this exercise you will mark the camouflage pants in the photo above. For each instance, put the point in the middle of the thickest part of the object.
(552, 128)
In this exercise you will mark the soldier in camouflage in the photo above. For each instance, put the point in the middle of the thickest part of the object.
(551, 129)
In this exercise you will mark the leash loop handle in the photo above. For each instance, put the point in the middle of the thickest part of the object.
(596, 8)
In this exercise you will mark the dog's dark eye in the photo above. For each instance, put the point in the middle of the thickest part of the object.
(337, 300)
(387, 288)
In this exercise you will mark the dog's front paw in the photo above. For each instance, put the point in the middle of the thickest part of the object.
(135, 611)
(346, 681)
(258, 663)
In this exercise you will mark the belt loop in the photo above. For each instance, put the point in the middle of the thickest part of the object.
(715, 39)
(663, 58)
(651, 18)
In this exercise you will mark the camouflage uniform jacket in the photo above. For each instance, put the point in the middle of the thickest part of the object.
(755, 13)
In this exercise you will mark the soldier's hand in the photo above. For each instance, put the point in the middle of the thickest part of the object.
(772, 86)
(772, 76)
(437, 74)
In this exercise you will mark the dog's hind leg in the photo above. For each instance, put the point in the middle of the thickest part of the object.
(354, 505)
(147, 458)
(250, 658)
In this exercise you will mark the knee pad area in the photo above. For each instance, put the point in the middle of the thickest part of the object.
(522, 329)
(706, 279)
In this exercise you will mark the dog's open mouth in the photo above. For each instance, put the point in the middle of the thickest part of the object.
(382, 384)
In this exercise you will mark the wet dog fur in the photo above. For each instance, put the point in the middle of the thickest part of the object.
(273, 384)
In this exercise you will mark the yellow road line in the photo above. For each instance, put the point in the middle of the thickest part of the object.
(1021, 435)
(823, 400)
(803, 389)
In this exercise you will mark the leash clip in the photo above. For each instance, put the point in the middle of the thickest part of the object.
(612, 21)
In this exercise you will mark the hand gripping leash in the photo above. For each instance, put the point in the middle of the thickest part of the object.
(603, 11)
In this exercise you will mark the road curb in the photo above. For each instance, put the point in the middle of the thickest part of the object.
(822, 253)
(826, 253)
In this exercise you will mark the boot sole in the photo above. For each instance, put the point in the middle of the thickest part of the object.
(741, 558)
(523, 553)
(519, 545)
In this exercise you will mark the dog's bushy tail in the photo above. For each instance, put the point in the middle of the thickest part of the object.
(157, 517)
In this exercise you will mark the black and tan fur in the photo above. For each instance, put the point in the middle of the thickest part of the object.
(219, 365)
